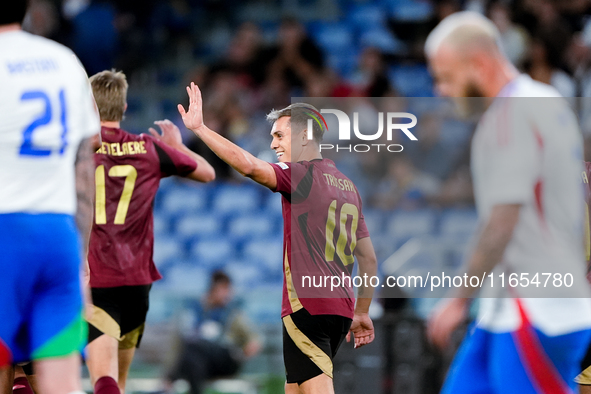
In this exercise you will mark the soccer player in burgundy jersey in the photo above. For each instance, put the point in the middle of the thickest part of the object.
(128, 171)
(324, 230)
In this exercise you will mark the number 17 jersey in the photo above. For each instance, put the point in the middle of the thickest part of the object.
(322, 223)
(127, 176)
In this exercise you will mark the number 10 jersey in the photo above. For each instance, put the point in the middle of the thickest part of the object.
(322, 224)
(127, 176)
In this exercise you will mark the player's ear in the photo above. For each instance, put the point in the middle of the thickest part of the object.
(304, 137)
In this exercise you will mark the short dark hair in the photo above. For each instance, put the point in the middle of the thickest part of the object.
(12, 11)
(219, 277)
(299, 114)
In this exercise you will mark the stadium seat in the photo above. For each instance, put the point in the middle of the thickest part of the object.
(188, 280)
(364, 16)
(381, 38)
(266, 253)
(166, 249)
(212, 253)
(406, 224)
(250, 226)
(161, 224)
(198, 225)
(411, 10)
(333, 37)
(181, 200)
(244, 276)
(411, 80)
(236, 198)
(459, 223)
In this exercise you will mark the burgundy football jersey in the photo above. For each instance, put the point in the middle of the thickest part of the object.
(322, 224)
(128, 171)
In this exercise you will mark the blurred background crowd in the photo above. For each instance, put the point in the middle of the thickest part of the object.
(251, 56)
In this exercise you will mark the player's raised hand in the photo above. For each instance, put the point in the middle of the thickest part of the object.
(193, 117)
(362, 329)
(445, 319)
(171, 135)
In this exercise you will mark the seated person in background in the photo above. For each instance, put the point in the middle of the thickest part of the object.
(218, 341)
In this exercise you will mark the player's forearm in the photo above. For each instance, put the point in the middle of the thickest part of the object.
(85, 191)
(239, 159)
(491, 245)
(204, 171)
(368, 267)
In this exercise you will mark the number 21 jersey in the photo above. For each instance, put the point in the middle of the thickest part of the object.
(322, 224)
(128, 173)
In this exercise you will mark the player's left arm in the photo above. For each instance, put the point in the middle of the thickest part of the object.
(85, 192)
(490, 247)
(242, 161)
(362, 326)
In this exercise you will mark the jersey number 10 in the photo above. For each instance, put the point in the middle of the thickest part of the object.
(329, 250)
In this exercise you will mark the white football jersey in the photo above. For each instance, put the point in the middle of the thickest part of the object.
(527, 150)
(46, 109)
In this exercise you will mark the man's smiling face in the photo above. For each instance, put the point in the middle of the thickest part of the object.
(281, 143)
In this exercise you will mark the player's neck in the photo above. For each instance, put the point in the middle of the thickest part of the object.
(11, 27)
(309, 154)
(111, 124)
(507, 73)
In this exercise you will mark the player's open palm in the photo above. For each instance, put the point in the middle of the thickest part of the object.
(362, 329)
(193, 117)
(171, 135)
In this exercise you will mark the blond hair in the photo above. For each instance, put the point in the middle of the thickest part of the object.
(464, 30)
(110, 93)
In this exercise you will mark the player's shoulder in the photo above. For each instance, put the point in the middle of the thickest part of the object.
(525, 86)
(25, 42)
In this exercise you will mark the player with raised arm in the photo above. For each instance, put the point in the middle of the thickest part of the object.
(46, 190)
(128, 171)
(324, 230)
(526, 157)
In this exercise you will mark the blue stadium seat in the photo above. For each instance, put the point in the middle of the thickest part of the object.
(333, 37)
(273, 205)
(383, 39)
(244, 275)
(250, 226)
(212, 253)
(167, 249)
(181, 200)
(411, 80)
(266, 253)
(263, 304)
(411, 10)
(374, 219)
(459, 223)
(365, 16)
(232, 198)
(188, 280)
(344, 65)
(406, 224)
(197, 225)
(161, 224)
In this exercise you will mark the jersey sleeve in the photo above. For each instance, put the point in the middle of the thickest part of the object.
(294, 180)
(172, 162)
(515, 150)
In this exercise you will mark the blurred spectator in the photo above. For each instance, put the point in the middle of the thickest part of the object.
(514, 38)
(327, 83)
(296, 57)
(217, 339)
(243, 57)
(429, 154)
(94, 38)
(404, 187)
(544, 62)
(370, 78)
